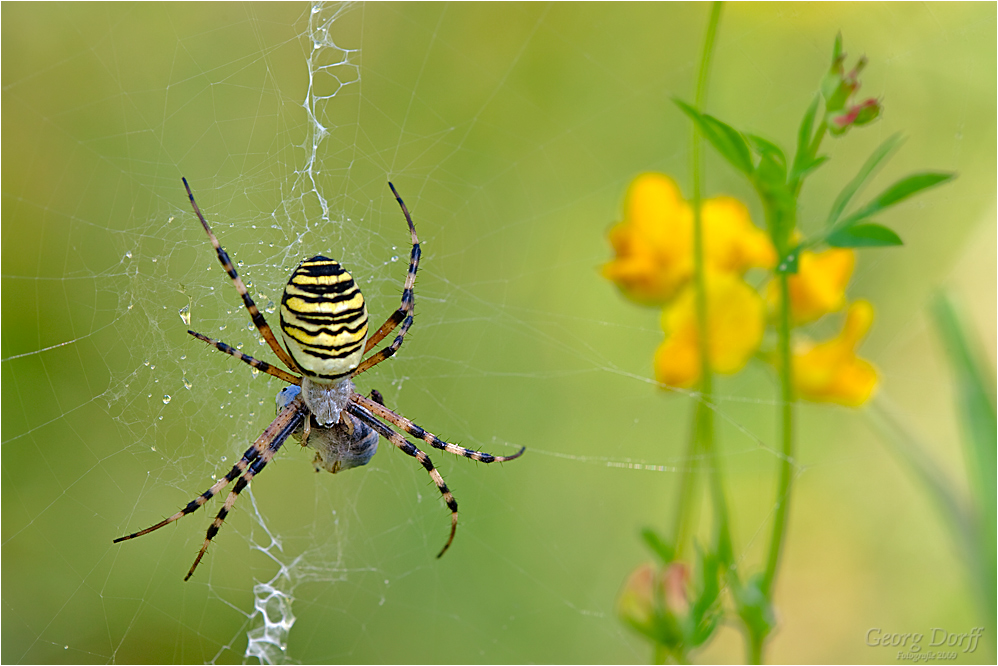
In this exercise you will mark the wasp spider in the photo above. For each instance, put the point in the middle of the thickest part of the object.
(324, 325)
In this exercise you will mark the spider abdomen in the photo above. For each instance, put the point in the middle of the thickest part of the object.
(324, 319)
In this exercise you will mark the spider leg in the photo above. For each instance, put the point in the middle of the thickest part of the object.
(402, 422)
(262, 366)
(287, 421)
(401, 316)
(410, 449)
(258, 319)
(252, 453)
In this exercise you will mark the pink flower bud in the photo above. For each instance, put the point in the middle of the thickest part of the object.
(857, 116)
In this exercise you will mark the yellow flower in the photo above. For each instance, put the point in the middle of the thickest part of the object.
(731, 242)
(735, 323)
(830, 371)
(819, 287)
(654, 243)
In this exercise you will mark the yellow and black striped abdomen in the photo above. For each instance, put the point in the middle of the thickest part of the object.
(324, 319)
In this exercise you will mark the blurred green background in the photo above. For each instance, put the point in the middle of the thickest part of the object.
(511, 131)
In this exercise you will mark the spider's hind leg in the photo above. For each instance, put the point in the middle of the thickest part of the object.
(379, 410)
(274, 437)
(410, 449)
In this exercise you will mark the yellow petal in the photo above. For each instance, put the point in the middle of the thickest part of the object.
(830, 371)
(735, 324)
(731, 242)
(819, 287)
(677, 359)
(653, 244)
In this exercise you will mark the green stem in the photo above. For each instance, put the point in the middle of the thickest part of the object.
(704, 419)
(813, 148)
(708, 52)
(755, 648)
(686, 510)
(787, 436)
(702, 435)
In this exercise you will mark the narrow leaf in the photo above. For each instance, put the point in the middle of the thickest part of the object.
(900, 191)
(975, 383)
(864, 235)
(837, 47)
(658, 545)
(726, 139)
(882, 152)
(804, 137)
(771, 174)
(767, 148)
(801, 170)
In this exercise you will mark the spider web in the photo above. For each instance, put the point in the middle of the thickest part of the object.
(511, 132)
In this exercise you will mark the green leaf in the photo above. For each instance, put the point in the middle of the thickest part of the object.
(805, 168)
(900, 191)
(658, 545)
(726, 139)
(753, 605)
(767, 149)
(770, 176)
(802, 157)
(772, 169)
(882, 152)
(913, 184)
(975, 397)
(863, 235)
(975, 383)
(705, 609)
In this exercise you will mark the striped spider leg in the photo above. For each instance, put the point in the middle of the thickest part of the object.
(324, 324)
(404, 314)
(366, 409)
(252, 463)
(255, 315)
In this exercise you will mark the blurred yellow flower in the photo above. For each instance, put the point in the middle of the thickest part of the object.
(735, 323)
(654, 243)
(731, 242)
(830, 371)
(818, 287)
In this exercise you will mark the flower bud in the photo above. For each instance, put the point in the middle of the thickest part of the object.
(857, 116)
(838, 88)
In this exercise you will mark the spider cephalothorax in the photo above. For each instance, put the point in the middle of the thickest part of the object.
(325, 327)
